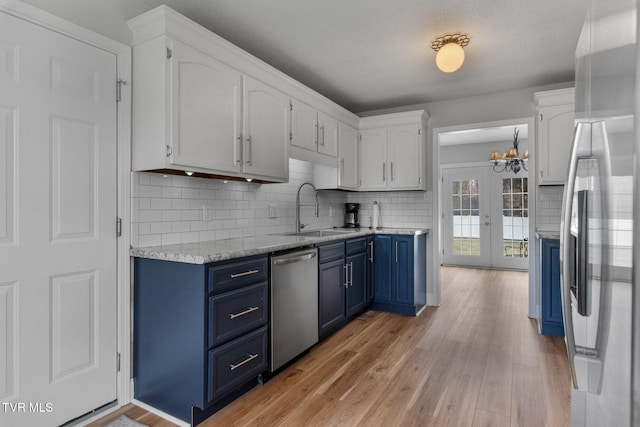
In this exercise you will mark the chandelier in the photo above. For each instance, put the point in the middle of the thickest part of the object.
(510, 161)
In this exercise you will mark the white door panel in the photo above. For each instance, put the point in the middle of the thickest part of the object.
(373, 159)
(486, 218)
(404, 157)
(57, 226)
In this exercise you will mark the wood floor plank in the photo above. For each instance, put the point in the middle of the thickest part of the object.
(489, 419)
(495, 392)
(528, 407)
(476, 360)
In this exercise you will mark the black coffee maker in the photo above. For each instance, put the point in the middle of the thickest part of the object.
(351, 215)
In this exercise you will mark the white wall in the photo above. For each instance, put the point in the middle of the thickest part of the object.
(106, 17)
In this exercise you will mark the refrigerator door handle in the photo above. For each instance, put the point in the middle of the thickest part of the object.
(567, 250)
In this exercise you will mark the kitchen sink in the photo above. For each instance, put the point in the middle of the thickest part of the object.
(320, 233)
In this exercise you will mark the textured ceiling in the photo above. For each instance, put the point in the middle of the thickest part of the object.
(373, 54)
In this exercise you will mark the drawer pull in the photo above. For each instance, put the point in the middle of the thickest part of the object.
(242, 313)
(246, 273)
(247, 360)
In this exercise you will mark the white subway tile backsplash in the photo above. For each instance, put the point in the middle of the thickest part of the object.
(549, 206)
(168, 209)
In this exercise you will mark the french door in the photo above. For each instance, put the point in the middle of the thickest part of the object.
(486, 218)
(58, 209)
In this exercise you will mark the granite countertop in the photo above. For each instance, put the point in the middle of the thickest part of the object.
(220, 250)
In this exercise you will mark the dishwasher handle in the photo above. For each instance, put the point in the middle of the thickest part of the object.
(296, 258)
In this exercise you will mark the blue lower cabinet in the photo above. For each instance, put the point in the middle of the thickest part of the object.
(200, 332)
(400, 284)
(551, 322)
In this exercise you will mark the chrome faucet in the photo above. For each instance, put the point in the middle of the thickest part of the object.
(299, 225)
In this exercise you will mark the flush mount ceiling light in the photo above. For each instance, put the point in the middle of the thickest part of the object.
(450, 54)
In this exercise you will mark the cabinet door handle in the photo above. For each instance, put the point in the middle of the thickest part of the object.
(391, 171)
(238, 148)
(342, 168)
(315, 132)
(242, 313)
(396, 252)
(249, 151)
(371, 247)
(322, 129)
(346, 275)
(384, 171)
(247, 360)
(246, 273)
(351, 273)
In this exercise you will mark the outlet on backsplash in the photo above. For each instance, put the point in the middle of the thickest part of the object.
(273, 211)
(207, 213)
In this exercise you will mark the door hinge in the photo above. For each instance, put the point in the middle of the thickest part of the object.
(360, 136)
(119, 85)
(117, 362)
(419, 180)
(290, 106)
(169, 53)
(541, 117)
(169, 152)
(419, 131)
(290, 136)
(118, 227)
(360, 182)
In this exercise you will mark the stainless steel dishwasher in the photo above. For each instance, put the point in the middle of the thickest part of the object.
(294, 305)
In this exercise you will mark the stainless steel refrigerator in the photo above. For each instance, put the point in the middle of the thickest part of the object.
(598, 237)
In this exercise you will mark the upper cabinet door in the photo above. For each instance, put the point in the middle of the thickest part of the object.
(555, 135)
(348, 157)
(304, 125)
(373, 159)
(266, 130)
(205, 111)
(327, 135)
(405, 157)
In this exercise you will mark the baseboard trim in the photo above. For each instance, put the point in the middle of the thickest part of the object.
(160, 413)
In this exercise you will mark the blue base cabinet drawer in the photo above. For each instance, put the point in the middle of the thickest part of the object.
(234, 313)
(235, 363)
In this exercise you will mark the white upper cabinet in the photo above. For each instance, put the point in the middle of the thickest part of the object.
(265, 130)
(313, 130)
(327, 135)
(392, 152)
(348, 157)
(554, 135)
(204, 111)
(373, 159)
(405, 154)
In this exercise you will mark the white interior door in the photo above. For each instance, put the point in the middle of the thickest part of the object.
(486, 218)
(57, 226)
(467, 216)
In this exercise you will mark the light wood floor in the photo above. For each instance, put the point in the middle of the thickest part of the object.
(476, 360)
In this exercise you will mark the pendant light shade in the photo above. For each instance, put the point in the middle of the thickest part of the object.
(450, 58)
(450, 55)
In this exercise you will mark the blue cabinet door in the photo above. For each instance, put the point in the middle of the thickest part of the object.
(551, 321)
(403, 269)
(331, 296)
(357, 289)
(382, 268)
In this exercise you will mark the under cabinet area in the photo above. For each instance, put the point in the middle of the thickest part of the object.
(200, 332)
(554, 135)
